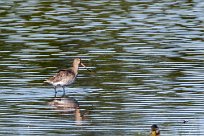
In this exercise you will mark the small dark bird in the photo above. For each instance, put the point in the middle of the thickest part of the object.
(154, 130)
(185, 121)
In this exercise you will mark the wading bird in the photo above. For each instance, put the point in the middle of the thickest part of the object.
(65, 77)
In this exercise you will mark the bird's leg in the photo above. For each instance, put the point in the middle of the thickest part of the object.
(55, 90)
(63, 90)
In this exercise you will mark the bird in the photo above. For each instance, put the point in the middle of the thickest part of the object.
(185, 121)
(65, 77)
(154, 130)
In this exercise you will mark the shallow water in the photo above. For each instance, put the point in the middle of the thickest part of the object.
(146, 60)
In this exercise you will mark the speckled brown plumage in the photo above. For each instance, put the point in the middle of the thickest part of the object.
(65, 77)
(62, 75)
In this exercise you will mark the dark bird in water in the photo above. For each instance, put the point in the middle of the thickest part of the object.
(185, 121)
(154, 130)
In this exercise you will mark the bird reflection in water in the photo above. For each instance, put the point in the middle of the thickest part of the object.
(68, 105)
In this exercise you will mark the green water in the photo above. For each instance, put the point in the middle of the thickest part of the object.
(146, 60)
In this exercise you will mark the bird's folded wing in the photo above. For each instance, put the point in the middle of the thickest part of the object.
(62, 74)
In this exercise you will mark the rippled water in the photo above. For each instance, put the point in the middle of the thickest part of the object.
(146, 59)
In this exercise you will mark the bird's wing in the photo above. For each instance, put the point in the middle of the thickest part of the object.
(63, 73)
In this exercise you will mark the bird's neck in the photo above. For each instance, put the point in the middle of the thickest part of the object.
(75, 69)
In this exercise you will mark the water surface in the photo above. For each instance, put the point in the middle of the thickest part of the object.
(146, 59)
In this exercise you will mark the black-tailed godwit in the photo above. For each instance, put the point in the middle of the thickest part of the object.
(65, 77)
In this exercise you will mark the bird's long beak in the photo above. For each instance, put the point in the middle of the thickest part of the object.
(85, 67)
